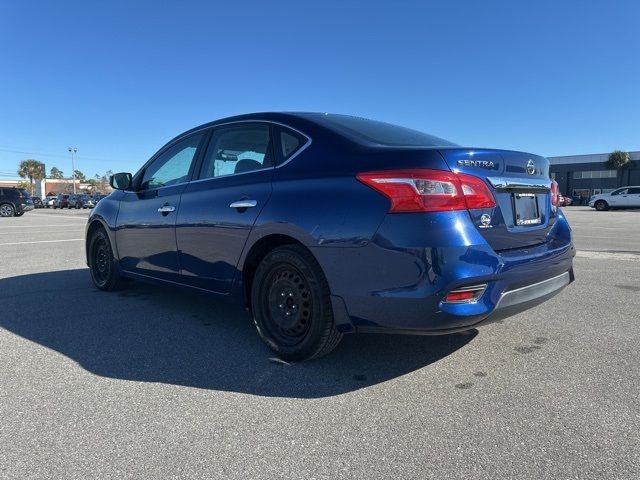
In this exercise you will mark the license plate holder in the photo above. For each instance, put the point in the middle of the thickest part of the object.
(525, 209)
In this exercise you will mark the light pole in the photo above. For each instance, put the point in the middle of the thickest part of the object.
(72, 151)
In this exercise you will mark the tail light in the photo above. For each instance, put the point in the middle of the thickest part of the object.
(555, 193)
(465, 294)
(424, 190)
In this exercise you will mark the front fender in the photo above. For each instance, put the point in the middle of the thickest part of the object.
(105, 214)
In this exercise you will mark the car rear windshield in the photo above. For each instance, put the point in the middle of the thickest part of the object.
(381, 132)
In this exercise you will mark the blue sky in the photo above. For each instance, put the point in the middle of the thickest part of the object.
(118, 79)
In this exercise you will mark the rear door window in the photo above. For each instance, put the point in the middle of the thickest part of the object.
(237, 149)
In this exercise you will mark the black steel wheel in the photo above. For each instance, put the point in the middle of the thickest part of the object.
(102, 263)
(291, 305)
(7, 210)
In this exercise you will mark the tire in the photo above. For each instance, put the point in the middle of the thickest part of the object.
(7, 210)
(102, 264)
(291, 305)
(601, 205)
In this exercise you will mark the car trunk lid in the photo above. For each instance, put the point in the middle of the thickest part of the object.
(520, 183)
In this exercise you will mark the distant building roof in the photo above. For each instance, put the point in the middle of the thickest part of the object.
(588, 158)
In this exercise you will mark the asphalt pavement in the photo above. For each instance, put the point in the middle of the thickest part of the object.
(155, 383)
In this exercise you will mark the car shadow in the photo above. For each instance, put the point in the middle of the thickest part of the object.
(155, 334)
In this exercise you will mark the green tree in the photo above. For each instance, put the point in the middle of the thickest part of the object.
(55, 173)
(618, 160)
(79, 175)
(100, 183)
(32, 170)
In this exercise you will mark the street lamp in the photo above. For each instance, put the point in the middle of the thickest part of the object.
(72, 151)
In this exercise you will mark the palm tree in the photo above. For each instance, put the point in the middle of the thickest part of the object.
(33, 170)
(618, 160)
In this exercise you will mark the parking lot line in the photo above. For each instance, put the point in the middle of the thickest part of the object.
(43, 241)
(39, 226)
(66, 217)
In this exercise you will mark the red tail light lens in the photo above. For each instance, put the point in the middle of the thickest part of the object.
(423, 190)
(555, 193)
(465, 294)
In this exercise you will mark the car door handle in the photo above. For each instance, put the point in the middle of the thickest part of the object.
(166, 209)
(244, 204)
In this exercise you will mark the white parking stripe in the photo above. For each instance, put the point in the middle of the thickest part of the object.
(609, 255)
(2, 227)
(44, 241)
(65, 217)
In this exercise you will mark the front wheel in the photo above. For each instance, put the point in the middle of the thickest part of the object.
(102, 263)
(291, 305)
(601, 205)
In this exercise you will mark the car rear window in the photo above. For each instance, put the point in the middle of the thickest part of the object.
(381, 132)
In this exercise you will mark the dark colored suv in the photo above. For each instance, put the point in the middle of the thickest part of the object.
(62, 201)
(14, 202)
(76, 201)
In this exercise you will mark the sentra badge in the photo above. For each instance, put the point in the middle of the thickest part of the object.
(476, 163)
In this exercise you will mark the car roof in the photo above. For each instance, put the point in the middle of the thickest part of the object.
(305, 122)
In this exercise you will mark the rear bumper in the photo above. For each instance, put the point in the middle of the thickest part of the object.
(510, 303)
(399, 287)
(24, 207)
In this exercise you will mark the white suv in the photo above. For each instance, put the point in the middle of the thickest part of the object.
(625, 197)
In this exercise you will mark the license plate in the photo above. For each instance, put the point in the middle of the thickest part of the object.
(525, 209)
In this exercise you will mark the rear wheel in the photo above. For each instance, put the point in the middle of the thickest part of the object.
(102, 263)
(601, 205)
(7, 210)
(291, 305)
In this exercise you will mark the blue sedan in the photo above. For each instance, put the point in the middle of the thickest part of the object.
(327, 224)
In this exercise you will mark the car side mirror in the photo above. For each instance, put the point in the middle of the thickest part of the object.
(121, 181)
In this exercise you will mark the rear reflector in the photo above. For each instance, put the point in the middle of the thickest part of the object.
(465, 294)
(424, 190)
(555, 193)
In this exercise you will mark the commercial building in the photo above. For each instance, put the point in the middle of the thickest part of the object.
(581, 176)
(54, 186)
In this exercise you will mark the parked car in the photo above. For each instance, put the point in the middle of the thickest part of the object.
(625, 197)
(62, 201)
(76, 201)
(50, 201)
(37, 202)
(14, 202)
(564, 201)
(327, 224)
(88, 201)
